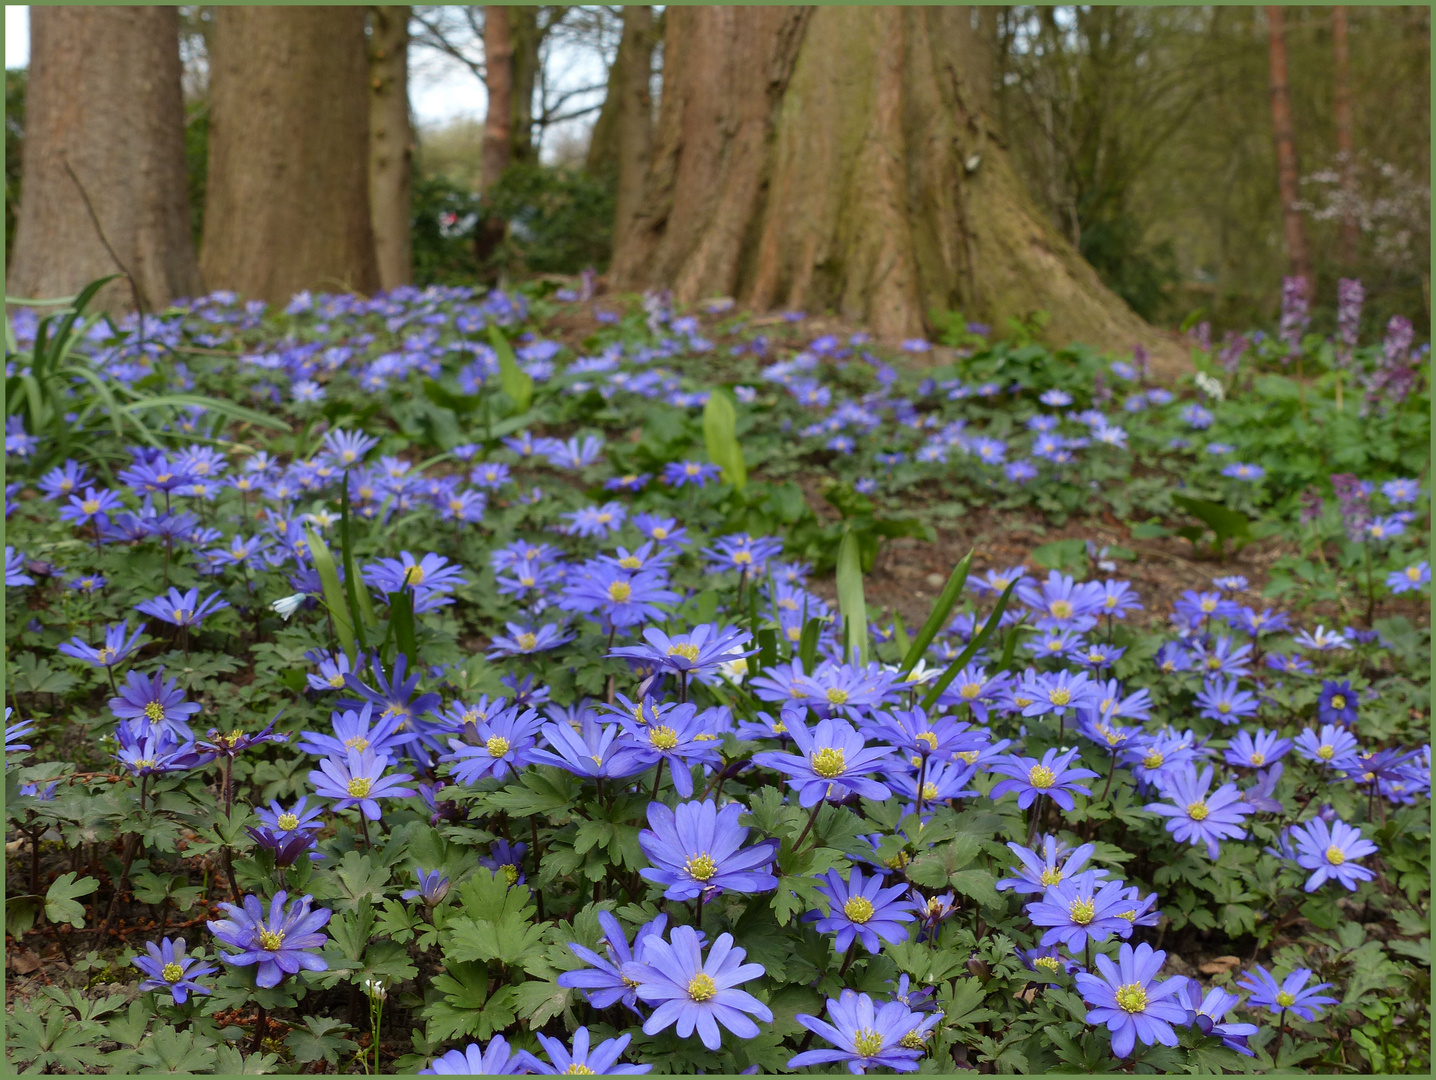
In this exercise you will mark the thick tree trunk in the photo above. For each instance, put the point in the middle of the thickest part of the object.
(525, 39)
(391, 145)
(287, 205)
(103, 185)
(1288, 170)
(498, 123)
(1345, 150)
(843, 158)
(622, 138)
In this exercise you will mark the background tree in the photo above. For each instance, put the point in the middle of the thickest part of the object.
(622, 140)
(391, 145)
(848, 159)
(1288, 168)
(1345, 147)
(103, 179)
(287, 204)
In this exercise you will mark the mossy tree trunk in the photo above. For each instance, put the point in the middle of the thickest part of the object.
(105, 125)
(287, 200)
(622, 139)
(845, 159)
(391, 145)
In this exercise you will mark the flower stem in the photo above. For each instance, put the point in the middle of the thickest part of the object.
(657, 777)
(921, 776)
(798, 843)
(848, 959)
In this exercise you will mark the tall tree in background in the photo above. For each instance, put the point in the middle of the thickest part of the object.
(103, 183)
(622, 139)
(497, 150)
(391, 145)
(1287, 168)
(287, 204)
(845, 158)
(1345, 150)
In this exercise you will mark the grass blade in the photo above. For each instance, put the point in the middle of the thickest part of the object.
(937, 618)
(850, 599)
(359, 602)
(979, 639)
(516, 382)
(401, 622)
(334, 598)
(720, 437)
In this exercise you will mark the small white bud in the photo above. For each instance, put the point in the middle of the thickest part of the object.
(288, 606)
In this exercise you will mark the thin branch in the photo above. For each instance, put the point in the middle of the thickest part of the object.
(99, 229)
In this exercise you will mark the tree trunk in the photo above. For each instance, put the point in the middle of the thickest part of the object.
(1345, 151)
(525, 39)
(844, 158)
(287, 205)
(622, 138)
(1288, 170)
(105, 125)
(391, 145)
(498, 64)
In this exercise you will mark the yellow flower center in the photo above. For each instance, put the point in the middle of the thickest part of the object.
(414, 575)
(837, 696)
(659, 533)
(172, 973)
(779, 728)
(1197, 811)
(971, 690)
(630, 562)
(1335, 855)
(1214, 662)
(604, 519)
(577, 1069)
(620, 591)
(497, 746)
(912, 1041)
(336, 680)
(1060, 696)
(358, 742)
(968, 756)
(1153, 760)
(867, 1042)
(859, 909)
(829, 762)
(527, 582)
(527, 641)
(103, 653)
(929, 738)
(929, 791)
(1326, 752)
(1082, 911)
(1051, 877)
(702, 987)
(662, 737)
(1337, 701)
(1051, 963)
(1413, 573)
(1061, 609)
(687, 651)
(90, 506)
(701, 867)
(1224, 706)
(742, 558)
(154, 712)
(1258, 758)
(271, 940)
(456, 505)
(1131, 998)
(288, 821)
(1040, 776)
(1285, 1000)
(794, 633)
(359, 787)
(510, 872)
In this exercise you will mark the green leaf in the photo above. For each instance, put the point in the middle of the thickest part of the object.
(850, 598)
(720, 422)
(937, 618)
(361, 880)
(322, 1039)
(60, 903)
(224, 408)
(808, 643)
(334, 595)
(516, 382)
(540, 1002)
(171, 1051)
(1061, 554)
(401, 620)
(977, 642)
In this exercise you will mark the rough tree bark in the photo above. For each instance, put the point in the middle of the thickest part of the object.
(525, 37)
(497, 149)
(287, 205)
(1287, 169)
(104, 100)
(1345, 149)
(391, 145)
(622, 139)
(845, 158)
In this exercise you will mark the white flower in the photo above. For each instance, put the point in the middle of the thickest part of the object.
(289, 605)
(375, 988)
(734, 671)
(1210, 386)
(920, 673)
